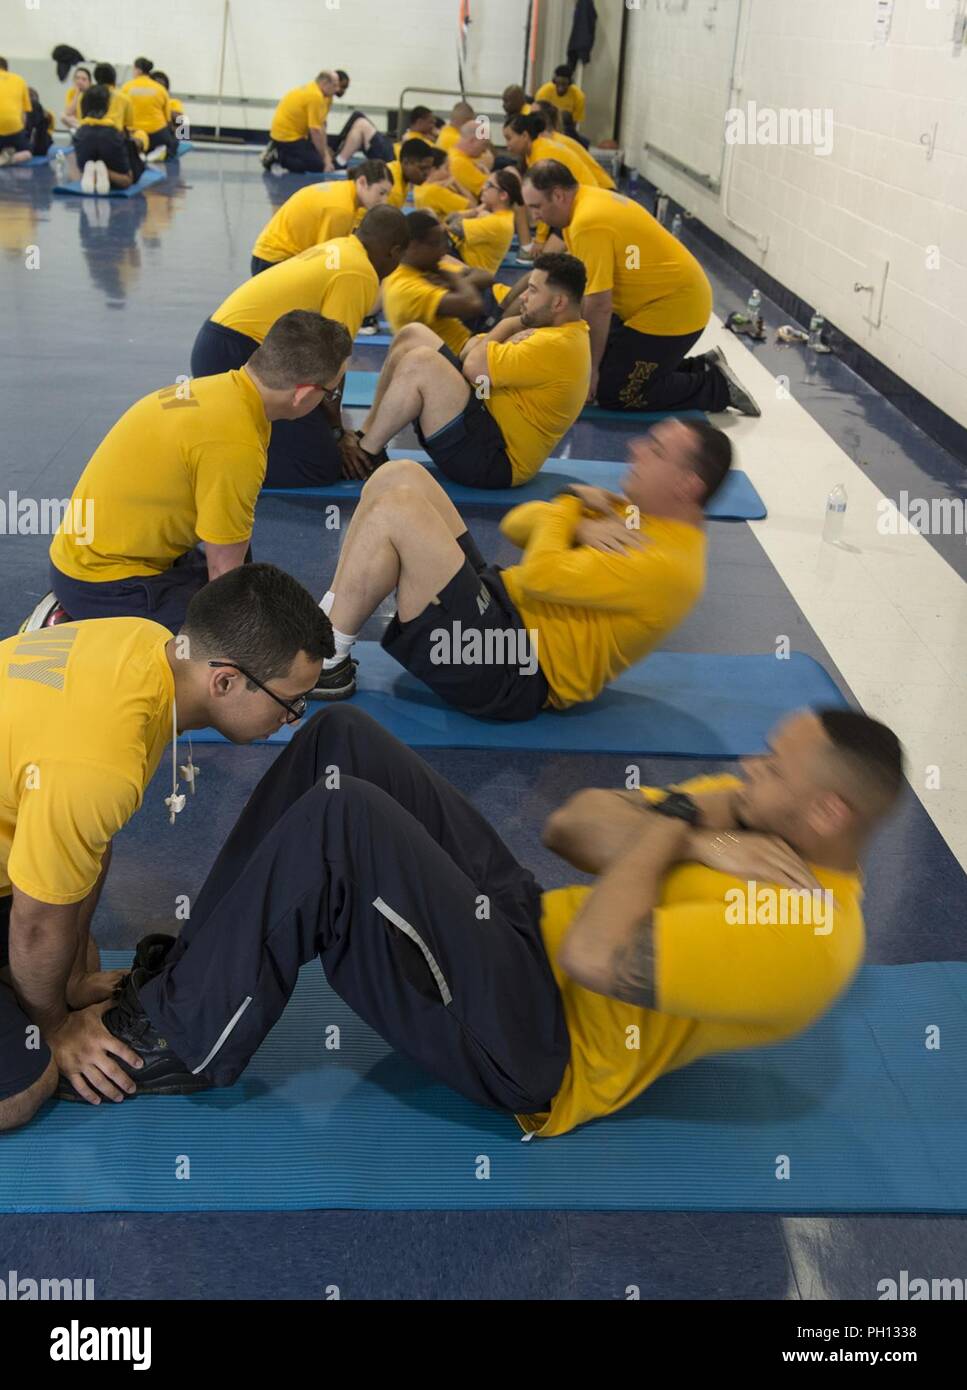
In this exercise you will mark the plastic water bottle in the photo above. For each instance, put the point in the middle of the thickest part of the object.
(60, 166)
(677, 225)
(661, 207)
(835, 515)
(632, 183)
(754, 304)
(816, 325)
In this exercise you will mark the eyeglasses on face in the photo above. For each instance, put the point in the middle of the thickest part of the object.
(294, 709)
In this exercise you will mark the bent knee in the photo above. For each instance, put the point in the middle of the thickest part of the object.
(391, 475)
(17, 1109)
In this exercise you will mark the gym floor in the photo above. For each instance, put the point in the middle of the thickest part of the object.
(108, 314)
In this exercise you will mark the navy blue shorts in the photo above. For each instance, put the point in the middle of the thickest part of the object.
(20, 1065)
(20, 140)
(299, 156)
(257, 265)
(470, 448)
(471, 647)
(164, 598)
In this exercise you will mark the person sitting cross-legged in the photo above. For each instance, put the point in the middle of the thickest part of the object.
(490, 417)
(602, 581)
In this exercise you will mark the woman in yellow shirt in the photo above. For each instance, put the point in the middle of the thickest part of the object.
(72, 104)
(179, 122)
(483, 234)
(553, 118)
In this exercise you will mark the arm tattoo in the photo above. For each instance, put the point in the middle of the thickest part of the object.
(633, 969)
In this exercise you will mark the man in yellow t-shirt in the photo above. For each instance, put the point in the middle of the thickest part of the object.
(86, 710)
(297, 137)
(422, 126)
(591, 595)
(129, 544)
(562, 93)
(647, 302)
(450, 133)
(338, 279)
(465, 170)
(320, 212)
(536, 366)
(15, 106)
(413, 168)
(433, 288)
(437, 193)
(151, 110)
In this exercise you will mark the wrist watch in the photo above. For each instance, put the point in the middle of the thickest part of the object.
(677, 806)
(337, 432)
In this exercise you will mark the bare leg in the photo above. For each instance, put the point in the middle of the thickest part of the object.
(413, 335)
(398, 541)
(22, 157)
(360, 134)
(424, 387)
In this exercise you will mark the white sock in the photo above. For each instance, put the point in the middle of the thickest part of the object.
(344, 645)
(340, 161)
(326, 602)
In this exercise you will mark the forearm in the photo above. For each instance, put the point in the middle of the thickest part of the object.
(553, 531)
(592, 828)
(42, 954)
(85, 915)
(597, 312)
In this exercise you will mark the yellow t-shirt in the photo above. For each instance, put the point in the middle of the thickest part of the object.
(601, 177)
(177, 107)
(150, 104)
(572, 100)
(546, 148)
(72, 103)
(409, 297)
(411, 135)
(120, 112)
(397, 194)
(598, 614)
(721, 986)
(14, 103)
(466, 173)
(335, 279)
(486, 240)
(183, 465)
(537, 389)
(448, 137)
(299, 111)
(85, 713)
(439, 199)
(667, 293)
(320, 212)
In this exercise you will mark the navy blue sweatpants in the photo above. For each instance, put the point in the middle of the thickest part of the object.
(302, 453)
(353, 849)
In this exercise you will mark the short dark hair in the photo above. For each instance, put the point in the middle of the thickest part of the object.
(550, 173)
(372, 170)
(440, 157)
(564, 272)
(415, 148)
(533, 124)
(343, 76)
(3, 65)
(562, 70)
(383, 227)
(508, 181)
(95, 102)
(106, 73)
(871, 753)
(259, 616)
(161, 77)
(421, 223)
(419, 113)
(301, 349)
(712, 458)
(145, 64)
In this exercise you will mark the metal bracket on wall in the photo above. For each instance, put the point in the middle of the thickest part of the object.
(706, 180)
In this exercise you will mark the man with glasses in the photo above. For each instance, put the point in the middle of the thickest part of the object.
(339, 279)
(129, 541)
(86, 711)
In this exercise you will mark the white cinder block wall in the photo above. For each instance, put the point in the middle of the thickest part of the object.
(273, 45)
(823, 220)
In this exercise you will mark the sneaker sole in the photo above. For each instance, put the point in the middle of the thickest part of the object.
(718, 359)
(342, 693)
(65, 1091)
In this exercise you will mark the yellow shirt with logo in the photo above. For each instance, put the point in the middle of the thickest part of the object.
(335, 279)
(320, 212)
(596, 614)
(299, 111)
(572, 100)
(409, 297)
(485, 241)
(537, 389)
(85, 713)
(722, 984)
(15, 103)
(150, 104)
(466, 173)
(546, 148)
(657, 284)
(439, 199)
(183, 465)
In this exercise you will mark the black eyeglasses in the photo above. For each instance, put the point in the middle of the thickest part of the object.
(331, 396)
(294, 709)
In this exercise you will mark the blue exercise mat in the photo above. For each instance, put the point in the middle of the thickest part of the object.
(150, 176)
(360, 387)
(673, 704)
(184, 147)
(736, 499)
(870, 1119)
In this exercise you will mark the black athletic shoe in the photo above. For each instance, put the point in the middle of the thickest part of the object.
(369, 325)
(338, 683)
(163, 1074)
(150, 956)
(381, 456)
(739, 398)
(269, 155)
